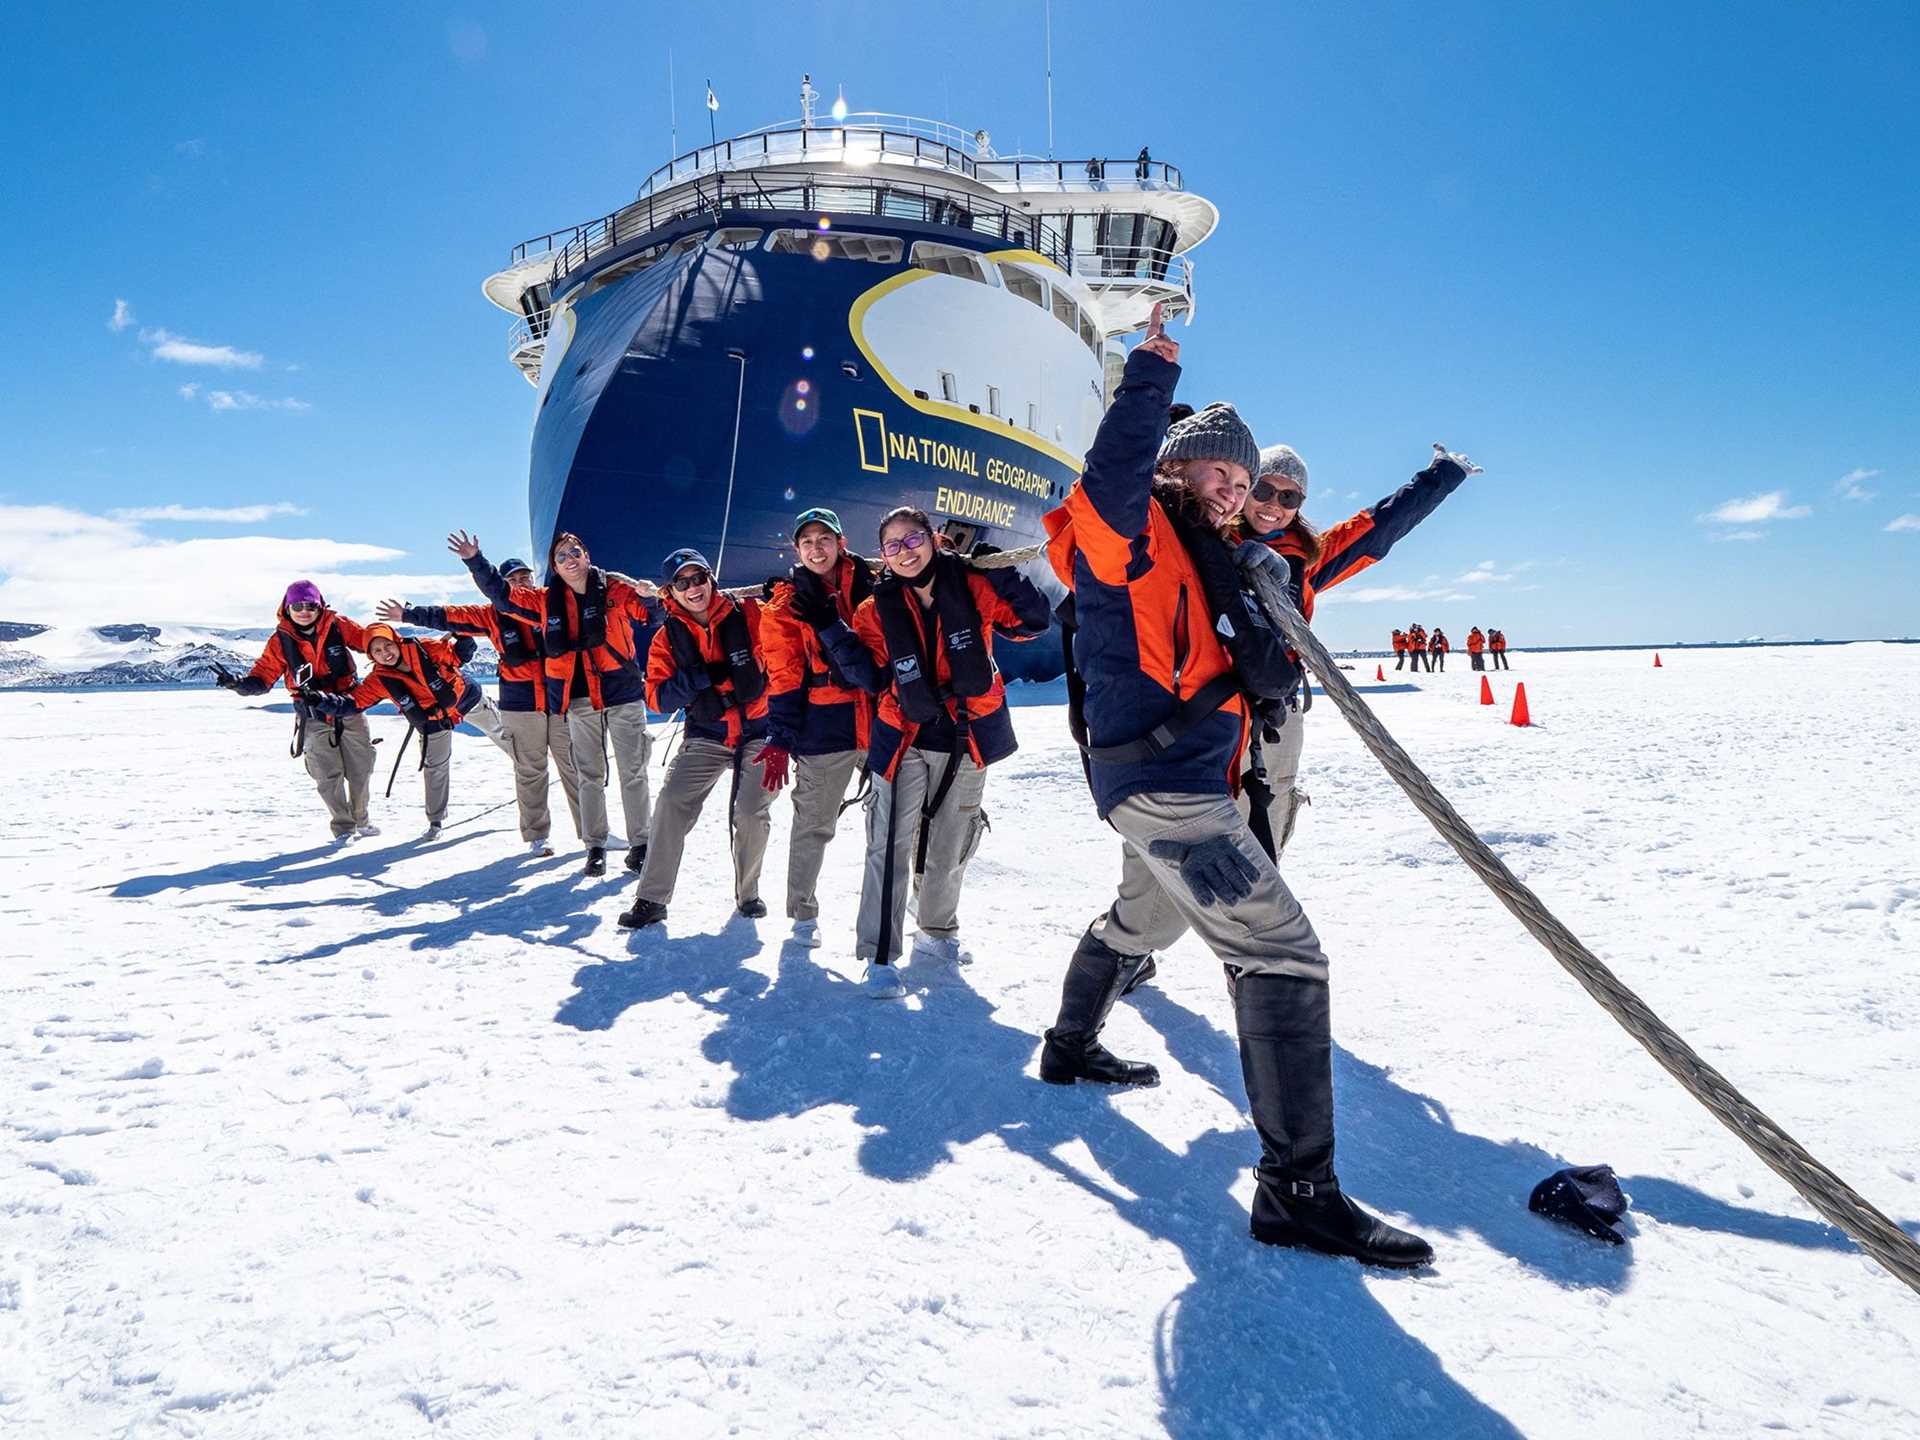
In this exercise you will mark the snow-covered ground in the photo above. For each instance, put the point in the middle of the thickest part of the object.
(398, 1139)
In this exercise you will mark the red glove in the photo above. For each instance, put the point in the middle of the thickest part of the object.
(777, 761)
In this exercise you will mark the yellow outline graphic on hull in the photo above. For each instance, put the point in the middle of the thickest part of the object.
(941, 409)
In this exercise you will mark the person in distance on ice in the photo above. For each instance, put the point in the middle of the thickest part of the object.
(1170, 647)
(1497, 647)
(819, 701)
(1437, 648)
(1476, 644)
(942, 720)
(531, 733)
(310, 645)
(586, 618)
(705, 660)
(1399, 649)
(422, 678)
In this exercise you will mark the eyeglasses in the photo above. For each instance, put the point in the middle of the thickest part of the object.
(572, 552)
(1268, 493)
(691, 582)
(303, 605)
(891, 548)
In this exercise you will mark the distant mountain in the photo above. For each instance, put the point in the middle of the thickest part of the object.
(94, 657)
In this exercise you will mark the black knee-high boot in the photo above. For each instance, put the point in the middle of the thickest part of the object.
(1286, 1055)
(1073, 1050)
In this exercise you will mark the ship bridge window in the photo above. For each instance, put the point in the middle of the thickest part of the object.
(1089, 337)
(949, 260)
(1025, 285)
(1064, 310)
(737, 237)
(632, 265)
(836, 245)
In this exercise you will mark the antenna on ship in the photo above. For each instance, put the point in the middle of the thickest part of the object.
(673, 116)
(807, 96)
(1049, 79)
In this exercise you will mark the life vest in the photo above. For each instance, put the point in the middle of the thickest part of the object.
(918, 691)
(576, 622)
(847, 594)
(747, 682)
(326, 651)
(425, 687)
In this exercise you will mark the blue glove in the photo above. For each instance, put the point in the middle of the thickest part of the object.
(1213, 869)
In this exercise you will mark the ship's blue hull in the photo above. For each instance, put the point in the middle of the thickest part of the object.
(748, 364)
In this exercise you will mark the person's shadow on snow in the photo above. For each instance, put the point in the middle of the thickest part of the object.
(1261, 1343)
(709, 969)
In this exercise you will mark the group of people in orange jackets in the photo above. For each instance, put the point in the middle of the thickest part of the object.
(1187, 706)
(1487, 645)
(1430, 649)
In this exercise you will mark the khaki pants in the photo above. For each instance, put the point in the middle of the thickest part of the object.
(698, 766)
(590, 734)
(893, 812)
(436, 773)
(341, 771)
(819, 786)
(529, 736)
(1282, 760)
(1266, 933)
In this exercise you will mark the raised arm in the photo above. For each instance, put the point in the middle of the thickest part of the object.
(1118, 477)
(1353, 545)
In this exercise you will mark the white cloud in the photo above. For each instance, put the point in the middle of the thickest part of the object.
(1483, 573)
(1903, 522)
(165, 345)
(1374, 594)
(122, 316)
(190, 389)
(1849, 487)
(67, 567)
(247, 400)
(1755, 509)
(233, 515)
(1739, 535)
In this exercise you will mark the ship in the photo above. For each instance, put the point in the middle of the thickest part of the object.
(856, 311)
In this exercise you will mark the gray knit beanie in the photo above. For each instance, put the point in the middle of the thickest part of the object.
(1215, 433)
(1281, 461)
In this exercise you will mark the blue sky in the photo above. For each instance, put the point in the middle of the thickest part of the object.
(1648, 266)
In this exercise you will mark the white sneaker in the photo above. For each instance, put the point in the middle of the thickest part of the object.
(882, 982)
(807, 933)
(940, 949)
(366, 830)
(539, 849)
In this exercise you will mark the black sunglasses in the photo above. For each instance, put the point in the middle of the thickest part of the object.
(572, 552)
(688, 582)
(1265, 492)
(891, 548)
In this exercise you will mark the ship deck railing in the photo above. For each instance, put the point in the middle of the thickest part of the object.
(903, 138)
(843, 196)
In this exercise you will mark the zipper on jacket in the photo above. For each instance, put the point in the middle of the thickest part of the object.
(1179, 639)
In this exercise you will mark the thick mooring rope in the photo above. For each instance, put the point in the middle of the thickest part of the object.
(1819, 1186)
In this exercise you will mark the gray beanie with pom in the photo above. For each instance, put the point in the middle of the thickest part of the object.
(1215, 433)
(1282, 461)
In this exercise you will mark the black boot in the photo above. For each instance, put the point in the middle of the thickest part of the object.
(1073, 1050)
(637, 857)
(1286, 1055)
(1143, 970)
(643, 914)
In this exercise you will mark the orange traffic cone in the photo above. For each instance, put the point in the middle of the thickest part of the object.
(1520, 715)
(1380, 672)
(1486, 691)
(1656, 660)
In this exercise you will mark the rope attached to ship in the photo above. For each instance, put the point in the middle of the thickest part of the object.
(1825, 1191)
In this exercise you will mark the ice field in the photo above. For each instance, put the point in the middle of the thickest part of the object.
(394, 1139)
